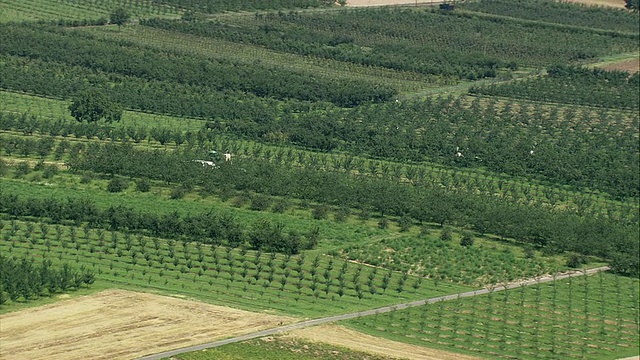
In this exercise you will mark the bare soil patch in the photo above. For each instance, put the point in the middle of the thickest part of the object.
(610, 3)
(341, 336)
(356, 3)
(630, 65)
(118, 324)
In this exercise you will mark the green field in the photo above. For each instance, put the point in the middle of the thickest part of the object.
(377, 156)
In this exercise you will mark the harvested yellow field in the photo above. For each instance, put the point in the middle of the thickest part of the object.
(118, 324)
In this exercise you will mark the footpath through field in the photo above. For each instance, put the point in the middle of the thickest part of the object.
(382, 310)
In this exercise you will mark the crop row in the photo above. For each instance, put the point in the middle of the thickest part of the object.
(126, 60)
(587, 317)
(226, 270)
(569, 85)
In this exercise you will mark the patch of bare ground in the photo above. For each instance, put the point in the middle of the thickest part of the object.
(341, 336)
(358, 3)
(630, 65)
(610, 3)
(118, 324)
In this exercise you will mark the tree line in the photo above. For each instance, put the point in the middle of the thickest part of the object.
(23, 278)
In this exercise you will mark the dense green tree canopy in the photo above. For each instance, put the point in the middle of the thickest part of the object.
(91, 106)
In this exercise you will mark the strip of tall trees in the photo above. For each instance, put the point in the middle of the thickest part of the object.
(24, 279)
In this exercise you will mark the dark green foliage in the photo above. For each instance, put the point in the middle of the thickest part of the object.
(396, 38)
(178, 192)
(575, 260)
(119, 16)
(446, 234)
(22, 169)
(632, 5)
(574, 85)
(564, 13)
(93, 105)
(320, 212)
(117, 185)
(467, 239)
(23, 279)
(143, 185)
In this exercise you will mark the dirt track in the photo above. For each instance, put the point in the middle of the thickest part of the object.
(118, 324)
(341, 336)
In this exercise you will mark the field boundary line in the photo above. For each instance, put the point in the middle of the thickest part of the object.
(382, 310)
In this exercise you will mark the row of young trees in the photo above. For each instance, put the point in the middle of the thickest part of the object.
(554, 230)
(573, 85)
(23, 278)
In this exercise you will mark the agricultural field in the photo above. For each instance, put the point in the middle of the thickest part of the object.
(176, 173)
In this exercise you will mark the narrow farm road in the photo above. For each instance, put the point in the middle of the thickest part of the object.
(382, 310)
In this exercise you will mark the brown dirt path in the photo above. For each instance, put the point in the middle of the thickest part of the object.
(630, 65)
(118, 324)
(342, 336)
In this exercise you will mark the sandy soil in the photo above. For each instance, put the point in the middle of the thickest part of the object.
(612, 3)
(118, 324)
(341, 336)
(631, 65)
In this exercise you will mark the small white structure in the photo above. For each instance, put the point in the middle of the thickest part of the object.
(206, 163)
(458, 153)
(227, 157)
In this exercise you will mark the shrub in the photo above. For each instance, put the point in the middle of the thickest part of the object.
(49, 171)
(383, 223)
(39, 166)
(446, 234)
(467, 239)
(260, 203)
(3, 167)
(143, 185)
(86, 178)
(22, 169)
(280, 206)
(117, 185)
(341, 214)
(320, 212)
(404, 223)
(574, 260)
(178, 193)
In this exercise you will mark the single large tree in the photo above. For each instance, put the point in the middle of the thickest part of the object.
(119, 16)
(92, 106)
